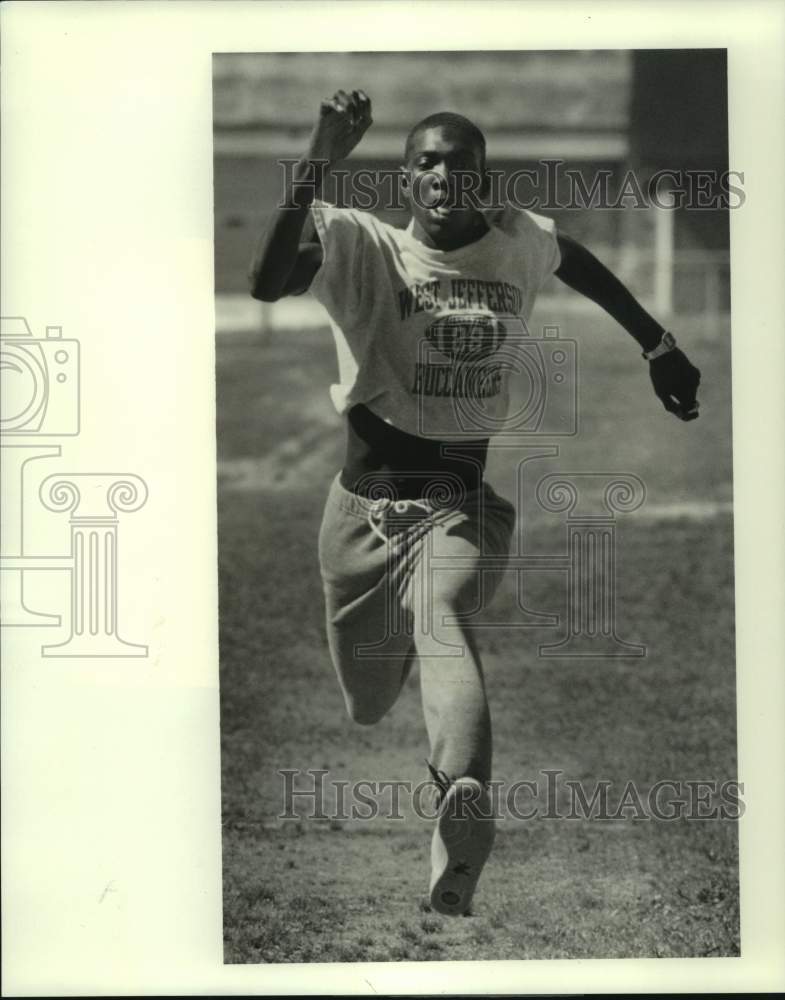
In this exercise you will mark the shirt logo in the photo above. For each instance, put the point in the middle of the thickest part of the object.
(467, 336)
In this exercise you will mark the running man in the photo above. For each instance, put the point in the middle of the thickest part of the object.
(417, 316)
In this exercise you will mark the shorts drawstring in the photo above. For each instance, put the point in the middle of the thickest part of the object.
(380, 508)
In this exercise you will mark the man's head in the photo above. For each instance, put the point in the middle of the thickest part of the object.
(444, 178)
(466, 131)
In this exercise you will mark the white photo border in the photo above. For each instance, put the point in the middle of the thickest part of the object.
(112, 833)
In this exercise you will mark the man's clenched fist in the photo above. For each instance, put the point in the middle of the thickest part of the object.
(343, 121)
(676, 380)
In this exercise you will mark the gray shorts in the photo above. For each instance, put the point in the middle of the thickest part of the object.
(391, 572)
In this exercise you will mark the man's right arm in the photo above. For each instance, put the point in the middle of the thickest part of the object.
(283, 263)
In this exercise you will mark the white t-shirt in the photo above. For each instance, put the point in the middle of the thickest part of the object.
(427, 338)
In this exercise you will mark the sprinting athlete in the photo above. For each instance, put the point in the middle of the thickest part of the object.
(423, 320)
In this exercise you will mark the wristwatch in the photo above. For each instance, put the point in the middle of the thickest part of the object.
(667, 343)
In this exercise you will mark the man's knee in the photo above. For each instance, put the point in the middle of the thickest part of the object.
(446, 598)
(443, 612)
(438, 628)
(365, 713)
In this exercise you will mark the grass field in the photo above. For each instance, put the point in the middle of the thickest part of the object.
(321, 891)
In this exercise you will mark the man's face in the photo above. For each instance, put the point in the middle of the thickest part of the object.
(444, 177)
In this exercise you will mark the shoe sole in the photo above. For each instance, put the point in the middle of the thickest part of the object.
(460, 847)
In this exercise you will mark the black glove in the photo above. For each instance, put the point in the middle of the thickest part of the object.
(676, 382)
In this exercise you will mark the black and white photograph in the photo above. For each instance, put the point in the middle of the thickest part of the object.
(475, 481)
(391, 436)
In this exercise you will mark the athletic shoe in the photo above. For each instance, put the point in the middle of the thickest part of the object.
(462, 841)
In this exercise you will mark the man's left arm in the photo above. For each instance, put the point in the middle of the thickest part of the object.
(674, 378)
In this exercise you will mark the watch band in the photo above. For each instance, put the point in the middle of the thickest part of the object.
(667, 343)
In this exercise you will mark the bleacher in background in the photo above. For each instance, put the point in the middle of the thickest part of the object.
(586, 107)
(528, 103)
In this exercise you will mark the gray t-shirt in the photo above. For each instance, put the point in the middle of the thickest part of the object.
(427, 339)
